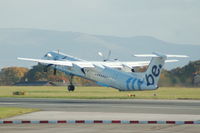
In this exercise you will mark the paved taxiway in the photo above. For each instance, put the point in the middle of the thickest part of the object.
(99, 128)
(104, 109)
(190, 107)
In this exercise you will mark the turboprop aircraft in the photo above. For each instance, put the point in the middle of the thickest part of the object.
(115, 74)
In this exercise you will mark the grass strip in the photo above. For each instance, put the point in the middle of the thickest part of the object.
(99, 93)
(6, 112)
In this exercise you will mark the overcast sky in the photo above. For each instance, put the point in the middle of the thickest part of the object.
(176, 21)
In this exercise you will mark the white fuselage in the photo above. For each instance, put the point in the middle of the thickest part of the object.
(110, 77)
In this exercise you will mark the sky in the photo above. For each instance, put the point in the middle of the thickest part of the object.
(176, 21)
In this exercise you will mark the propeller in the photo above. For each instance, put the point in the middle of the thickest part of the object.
(107, 58)
(54, 70)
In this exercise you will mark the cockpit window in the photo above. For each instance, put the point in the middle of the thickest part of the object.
(48, 55)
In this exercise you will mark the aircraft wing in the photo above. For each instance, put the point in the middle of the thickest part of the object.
(53, 62)
(84, 64)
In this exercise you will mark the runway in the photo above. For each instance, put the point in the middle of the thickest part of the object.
(190, 107)
(104, 109)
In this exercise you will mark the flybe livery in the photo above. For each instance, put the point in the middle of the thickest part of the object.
(115, 74)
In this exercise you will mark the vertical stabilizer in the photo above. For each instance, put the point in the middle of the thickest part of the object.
(152, 74)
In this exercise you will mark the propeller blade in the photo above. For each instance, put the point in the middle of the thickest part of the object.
(108, 57)
(54, 71)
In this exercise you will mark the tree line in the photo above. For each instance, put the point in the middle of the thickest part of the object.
(12, 75)
(188, 75)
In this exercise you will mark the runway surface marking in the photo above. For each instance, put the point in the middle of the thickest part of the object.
(94, 122)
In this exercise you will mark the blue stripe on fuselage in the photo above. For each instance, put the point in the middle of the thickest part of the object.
(131, 82)
(127, 83)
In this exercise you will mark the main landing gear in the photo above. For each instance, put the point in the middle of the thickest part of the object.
(71, 87)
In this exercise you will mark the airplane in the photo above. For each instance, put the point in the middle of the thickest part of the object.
(115, 74)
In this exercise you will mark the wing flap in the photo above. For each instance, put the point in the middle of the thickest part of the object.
(142, 63)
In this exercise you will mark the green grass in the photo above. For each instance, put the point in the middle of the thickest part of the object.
(6, 112)
(99, 93)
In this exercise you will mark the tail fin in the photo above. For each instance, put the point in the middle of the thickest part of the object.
(152, 74)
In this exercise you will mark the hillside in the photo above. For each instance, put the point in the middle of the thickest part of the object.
(35, 43)
(188, 75)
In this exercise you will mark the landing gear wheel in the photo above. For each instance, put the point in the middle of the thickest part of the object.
(71, 88)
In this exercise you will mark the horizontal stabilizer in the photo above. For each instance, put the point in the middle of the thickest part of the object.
(155, 55)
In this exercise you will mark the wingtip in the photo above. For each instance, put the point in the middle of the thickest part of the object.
(20, 58)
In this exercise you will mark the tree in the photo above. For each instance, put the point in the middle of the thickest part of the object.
(37, 74)
(11, 75)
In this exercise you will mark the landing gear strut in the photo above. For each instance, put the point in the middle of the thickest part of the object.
(71, 87)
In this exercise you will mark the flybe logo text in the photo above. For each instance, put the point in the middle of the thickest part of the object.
(155, 72)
